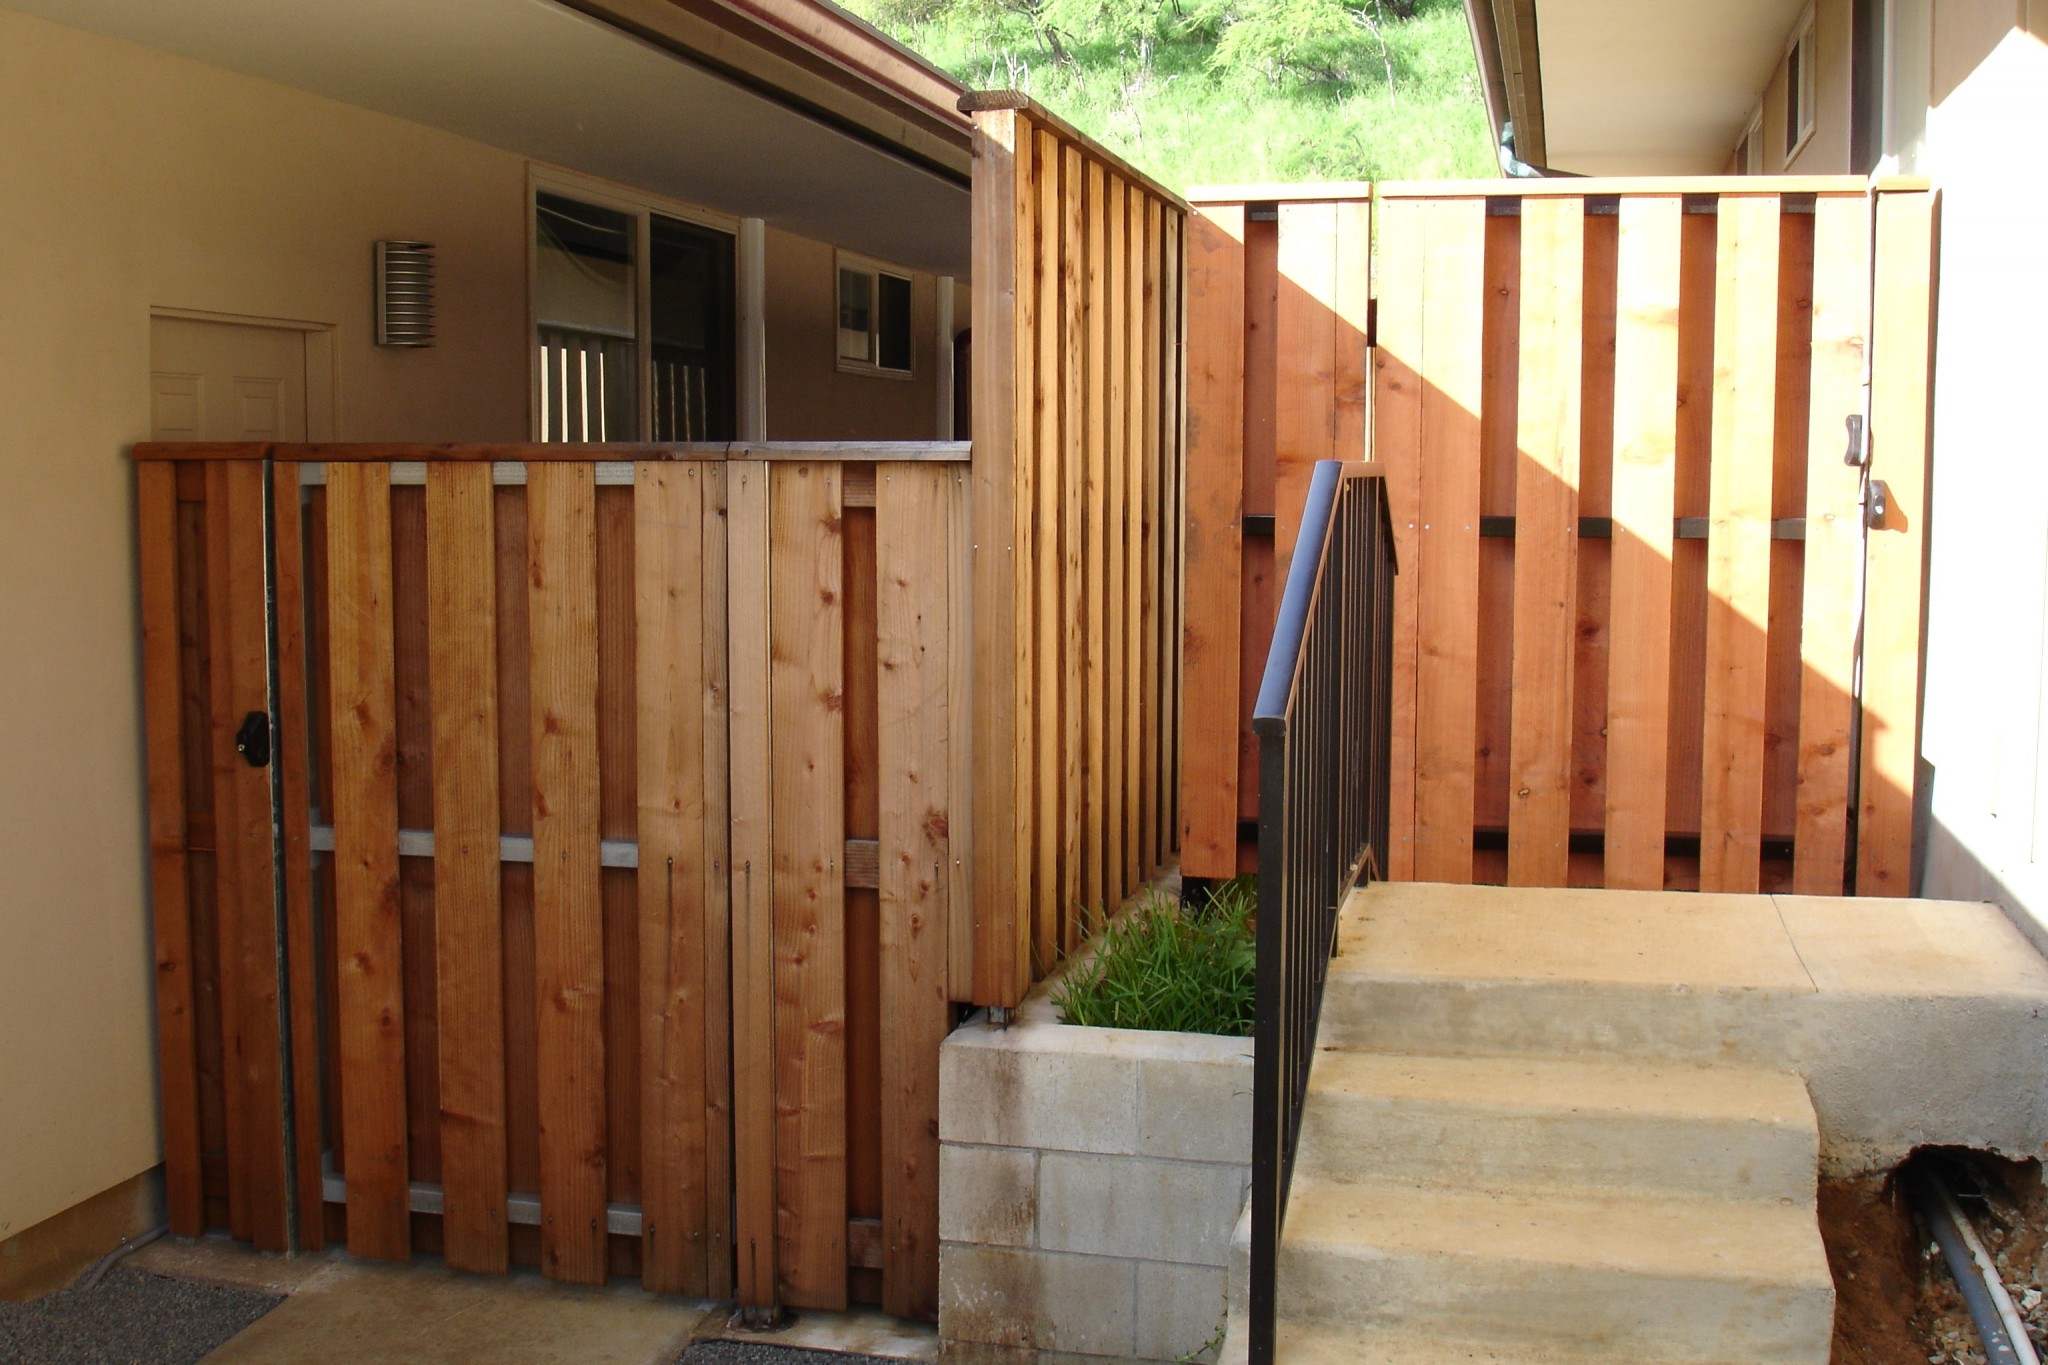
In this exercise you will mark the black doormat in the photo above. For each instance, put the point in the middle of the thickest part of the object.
(129, 1318)
(765, 1353)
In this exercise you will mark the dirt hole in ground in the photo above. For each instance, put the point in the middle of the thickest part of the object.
(1895, 1303)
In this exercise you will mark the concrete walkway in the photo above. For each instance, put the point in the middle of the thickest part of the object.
(342, 1311)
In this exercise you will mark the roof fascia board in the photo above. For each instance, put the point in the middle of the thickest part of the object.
(875, 106)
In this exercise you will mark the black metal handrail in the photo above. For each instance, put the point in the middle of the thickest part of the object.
(1324, 721)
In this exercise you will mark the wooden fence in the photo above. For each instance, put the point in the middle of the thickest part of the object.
(1077, 496)
(1643, 635)
(560, 733)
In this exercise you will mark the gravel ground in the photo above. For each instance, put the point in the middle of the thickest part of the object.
(129, 1318)
(762, 1353)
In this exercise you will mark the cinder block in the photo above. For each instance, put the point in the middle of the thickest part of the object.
(988, 1195)
(1180, 1311)
(1197, 1108)
(1037, 1086)
(1039, 1299)
(1155, 1210)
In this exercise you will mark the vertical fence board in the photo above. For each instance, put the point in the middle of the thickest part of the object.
(1593, 638)
(568, 910)
(1073, 463)
(1095, 887)
(1116, 394)
(1211, 639)
(1173, 585)
(1546, 540)
(1692, 494)
(618, 892)
(1645, 446)
(752, 857)
(670, 602)
(1305, 408)
(1131, 570)
(1448, 554)
(156, 494)
(1833, 585)
(1780, 764)
(807, 759)
(912, 513)
(1739, 543)
(1895, 554)
(1499, 469)
(228, 869)
(1150, 603)
(469, 933)
(368, 931)
(1397, 442)
(1048, 908)
(711, 708)
(961, 704)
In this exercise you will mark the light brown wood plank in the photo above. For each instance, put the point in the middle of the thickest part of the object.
(368, 933)
(1448, 549)
(618, 818)
(1305, 412)
(670, 602)
(1499, 471)
(1002, 504)
(716, 896)
(1645, 455)
(1788, 499)
(807, 758)
(1546, 540)
(568, 916)
(170, 906)
(1174, 346)
(1895, 555)
(1692, 493)
(1593, 637)
(751, 818)
(1131, 578)
(1215, 539)
(295, 800)
(1073, 249)
(913, 509)
(1097, 891)
(462, 664)
(1115, 506)
(863, 918)
(1833, 548)
(1397, 443)
(1739, 543)
(1152, 600)
(960, 712)
(1048, 600)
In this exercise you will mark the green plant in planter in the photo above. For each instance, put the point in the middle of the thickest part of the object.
(1157, 968)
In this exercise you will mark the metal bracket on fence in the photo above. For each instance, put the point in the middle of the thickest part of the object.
(1858, 454)
(1878, 502)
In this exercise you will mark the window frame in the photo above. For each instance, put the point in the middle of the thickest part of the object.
(641, 207)
(1802, 86)
(1749, 149)
(845, 261)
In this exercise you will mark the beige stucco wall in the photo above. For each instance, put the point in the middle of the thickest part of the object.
(809, 397)
(138, 181)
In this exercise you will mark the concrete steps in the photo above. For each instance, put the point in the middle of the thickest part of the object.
(1557, 1128)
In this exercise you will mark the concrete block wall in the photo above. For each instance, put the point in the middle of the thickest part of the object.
(1089, 1181)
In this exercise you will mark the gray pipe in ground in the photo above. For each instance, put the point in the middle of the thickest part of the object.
(1976, 1273)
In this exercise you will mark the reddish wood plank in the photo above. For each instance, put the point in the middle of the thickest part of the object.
(1499, 470)
(1739, 543)
(1095, 881)
(1448, 549)
(469, 935)
(1691, 492)
(368, 932)
(1591, 647)
(1131, 576)
(1305, 411)
(1546, 540)
(567, 896)
(806, 691)
(1645, 448)
(415, 755)
(1073, 469)
(1895, 555)
(1788, 500)
(1116, 501)
(170, 907)
(913, 511)
(1833, 547)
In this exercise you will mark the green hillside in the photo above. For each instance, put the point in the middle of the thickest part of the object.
(1205, 92)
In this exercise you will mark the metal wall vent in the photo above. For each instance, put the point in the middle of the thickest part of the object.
(405, 293)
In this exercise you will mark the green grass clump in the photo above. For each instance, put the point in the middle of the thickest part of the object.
(1158, 968)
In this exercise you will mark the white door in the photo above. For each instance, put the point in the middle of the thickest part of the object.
(225, 381)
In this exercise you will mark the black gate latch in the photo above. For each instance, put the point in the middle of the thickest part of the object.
(252, 741)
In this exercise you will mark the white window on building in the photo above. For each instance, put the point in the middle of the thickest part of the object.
(874, 318)
(1799, 89)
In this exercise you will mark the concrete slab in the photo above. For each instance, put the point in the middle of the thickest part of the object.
(1425, 929)
(354, 1311)
(1911, 947)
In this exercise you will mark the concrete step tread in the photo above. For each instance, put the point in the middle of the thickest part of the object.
(1619, 1085)
(1773, 1242)
(1323, 1344)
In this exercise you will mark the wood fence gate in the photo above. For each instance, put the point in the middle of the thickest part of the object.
(1657, 458)
(557, 859)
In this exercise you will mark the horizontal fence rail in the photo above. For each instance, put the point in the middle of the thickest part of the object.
(1323, 719)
